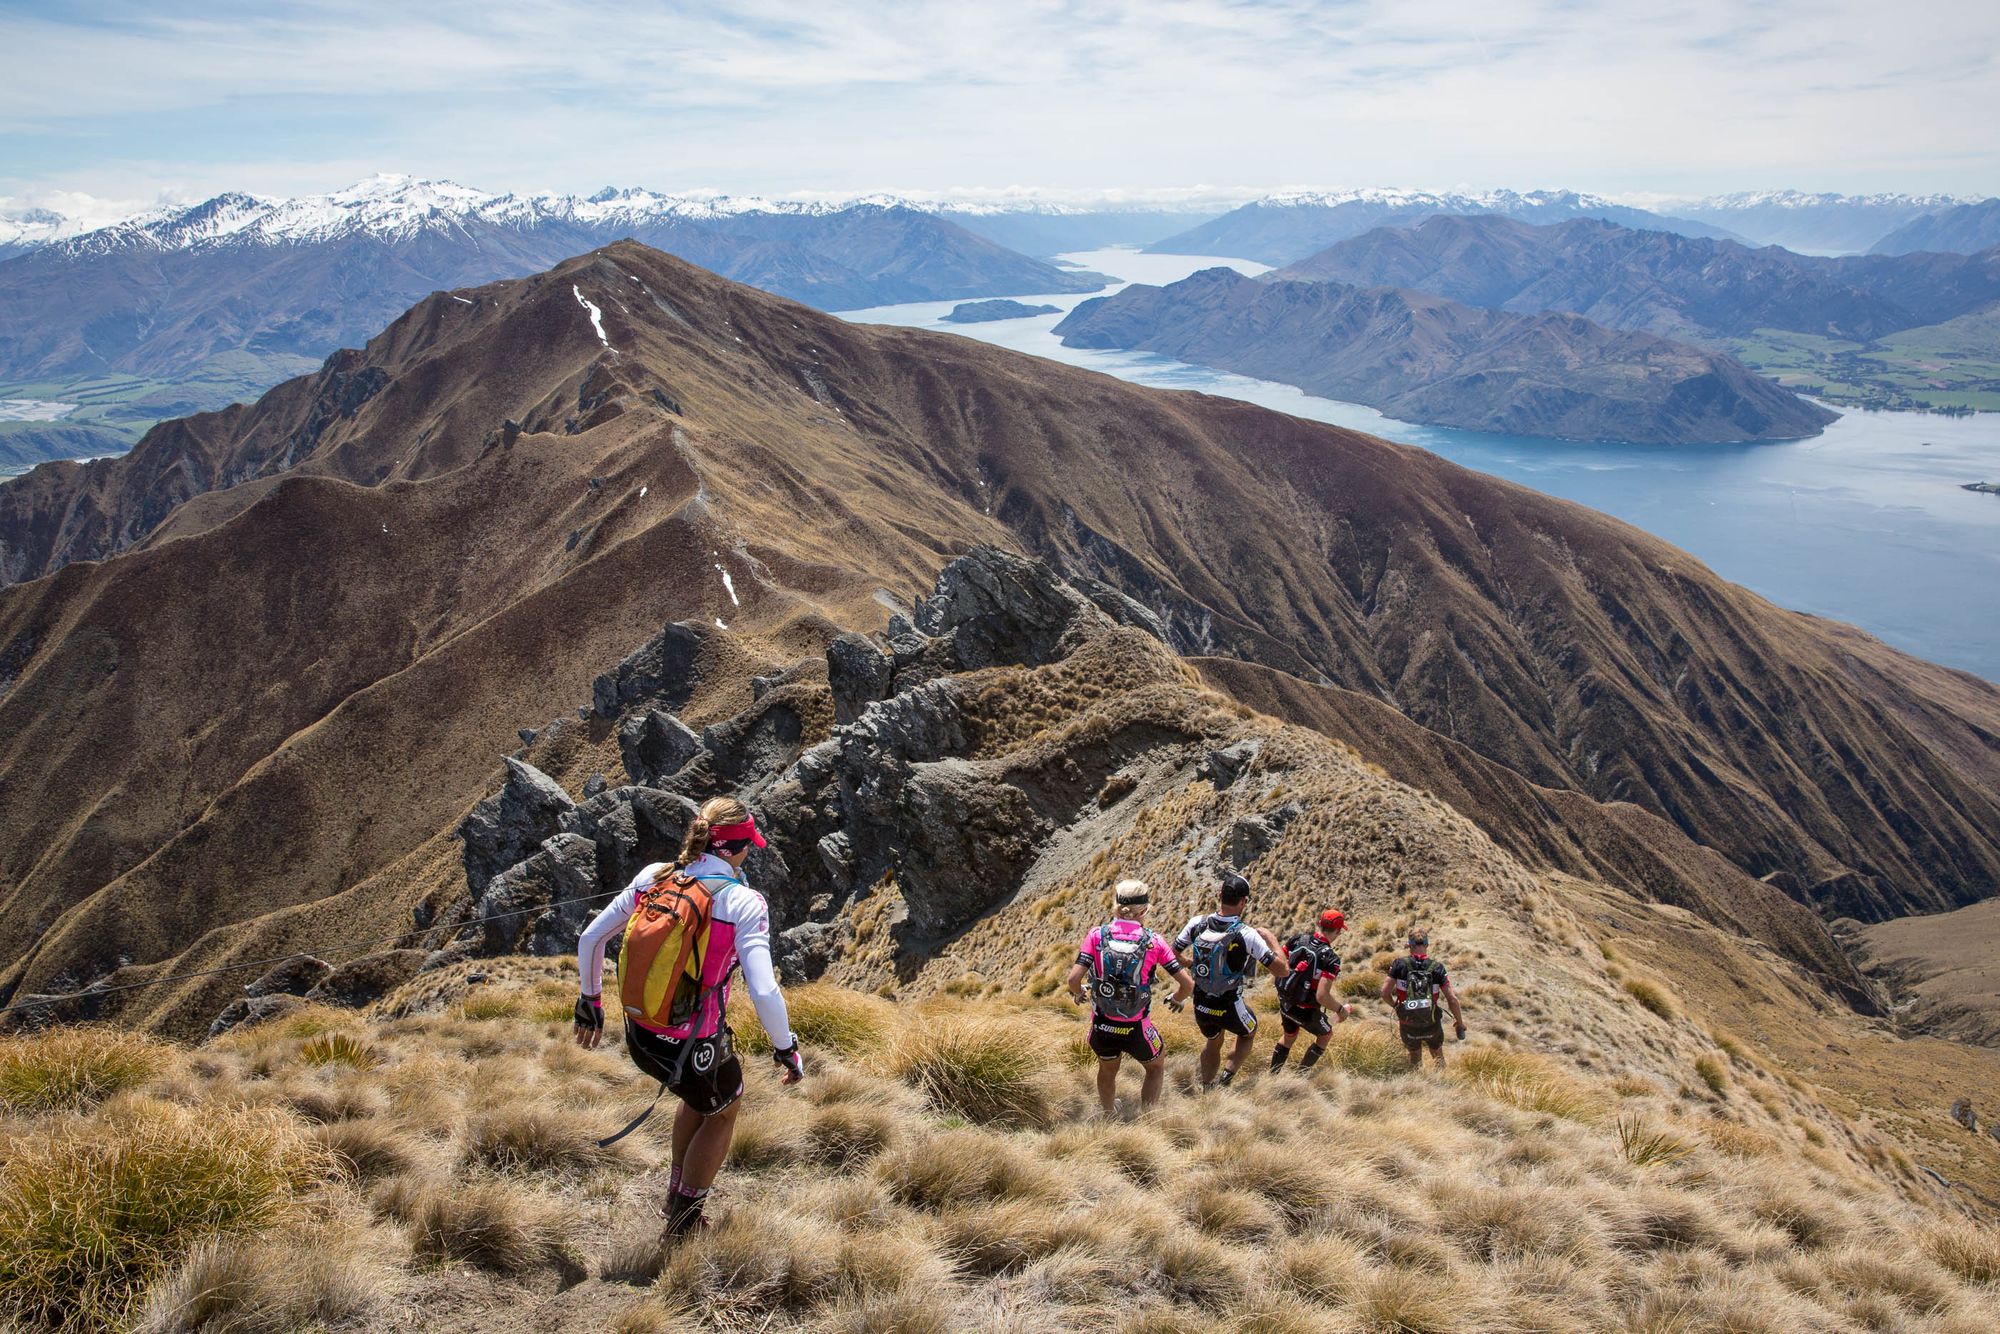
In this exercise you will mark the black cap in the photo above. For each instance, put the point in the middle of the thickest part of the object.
(1235, 888)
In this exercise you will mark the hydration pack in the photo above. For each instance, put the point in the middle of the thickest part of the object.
(1221, 960)
(666, 944)
(1120, 986)
(1310, 960)
(1418, 1010)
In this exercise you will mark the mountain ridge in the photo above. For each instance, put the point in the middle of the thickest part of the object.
(1428, 359)
(1676, 286)
(1285, 227)
(423, 580)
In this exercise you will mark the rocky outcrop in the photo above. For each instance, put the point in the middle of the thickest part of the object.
(893, 794)
(512, 823)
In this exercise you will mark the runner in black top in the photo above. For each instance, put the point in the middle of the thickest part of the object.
(1413, 989)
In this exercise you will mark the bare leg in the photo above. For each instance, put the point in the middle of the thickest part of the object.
(1156, 1081)
(686, 1121)
(1239, 1053)
(707, 1147)
(1211, 1059)
(1107, 1084)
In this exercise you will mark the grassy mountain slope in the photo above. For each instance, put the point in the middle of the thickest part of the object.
(288, 692)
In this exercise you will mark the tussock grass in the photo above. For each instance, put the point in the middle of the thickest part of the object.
(366, 1151)
(339, 1049)
(270, 1284)
(1651, 995)
(535, 1138)
(494, 1225)
(1645, 1144)
(71, 1069)
(824, 1019)
(987, 1070)
(962, 1166)
(1525, 1080)
(1967, 1249)
(747, 1264)
(1713, 1073)
(1500, 1198)
(1370, 1050)
(93, 1210)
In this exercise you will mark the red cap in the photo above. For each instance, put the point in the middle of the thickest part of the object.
(730, 833)
(1332, 920)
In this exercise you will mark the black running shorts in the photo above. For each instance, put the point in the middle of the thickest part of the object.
(1313, 1021)
(1417, 1041)
(1227, 1013)
(703, 1073)
(1112, 1038)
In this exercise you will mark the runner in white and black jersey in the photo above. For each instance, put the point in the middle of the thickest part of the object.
(1220, 952)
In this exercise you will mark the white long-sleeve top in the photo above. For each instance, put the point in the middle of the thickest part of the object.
(741, 927)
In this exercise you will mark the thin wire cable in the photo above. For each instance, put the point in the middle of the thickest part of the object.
(242, 964)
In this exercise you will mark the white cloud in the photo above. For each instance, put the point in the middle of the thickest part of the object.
(1686, 96)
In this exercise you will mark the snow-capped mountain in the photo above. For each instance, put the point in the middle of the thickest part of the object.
(268, 287)
(1287, 226)
(1815, 222)
(400, 208)
(25, 229)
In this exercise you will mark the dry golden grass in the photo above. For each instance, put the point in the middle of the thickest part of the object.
(1504, 1197)
(1525, 1080)
(1652, 995)
(71, 1069)
(984, 1068)
(94, 1209)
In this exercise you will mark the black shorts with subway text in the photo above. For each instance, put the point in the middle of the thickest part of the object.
(1229, 1012)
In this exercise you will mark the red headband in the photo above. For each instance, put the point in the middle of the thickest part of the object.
(731, 833)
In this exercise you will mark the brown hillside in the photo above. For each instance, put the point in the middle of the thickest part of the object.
(290, 688)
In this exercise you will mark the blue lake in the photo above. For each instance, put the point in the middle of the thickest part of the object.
(1866, 523)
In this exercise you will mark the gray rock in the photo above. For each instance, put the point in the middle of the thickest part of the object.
(250, 1010)
(1223, 767)
(525, 908)
(1120, 608)
(837, 854)
(900, 624)
(656, 745)
(804, 952)
(1251, 836)
(512, 823)
(967, 838)
(293, 977)
(594, 785)
(859, 674)
(1001, 609)
(757, 744)
(368, 978)
(661, 672)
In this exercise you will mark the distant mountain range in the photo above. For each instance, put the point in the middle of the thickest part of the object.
(1684, 287)
(1825, 223)
(1424, 358)
(1281, 228)
(1966, 229)
(274, 285)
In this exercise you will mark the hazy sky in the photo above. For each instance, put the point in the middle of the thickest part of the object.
(127, 101)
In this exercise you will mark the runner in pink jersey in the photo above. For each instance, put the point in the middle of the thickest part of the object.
(1119, 960)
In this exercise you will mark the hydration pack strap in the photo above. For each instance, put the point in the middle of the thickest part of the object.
(636, 1122)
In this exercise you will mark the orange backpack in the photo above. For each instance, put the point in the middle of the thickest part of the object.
(666, 946)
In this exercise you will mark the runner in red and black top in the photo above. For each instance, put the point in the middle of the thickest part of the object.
(1119, 960)
(1305, 998)
(1413, 989)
